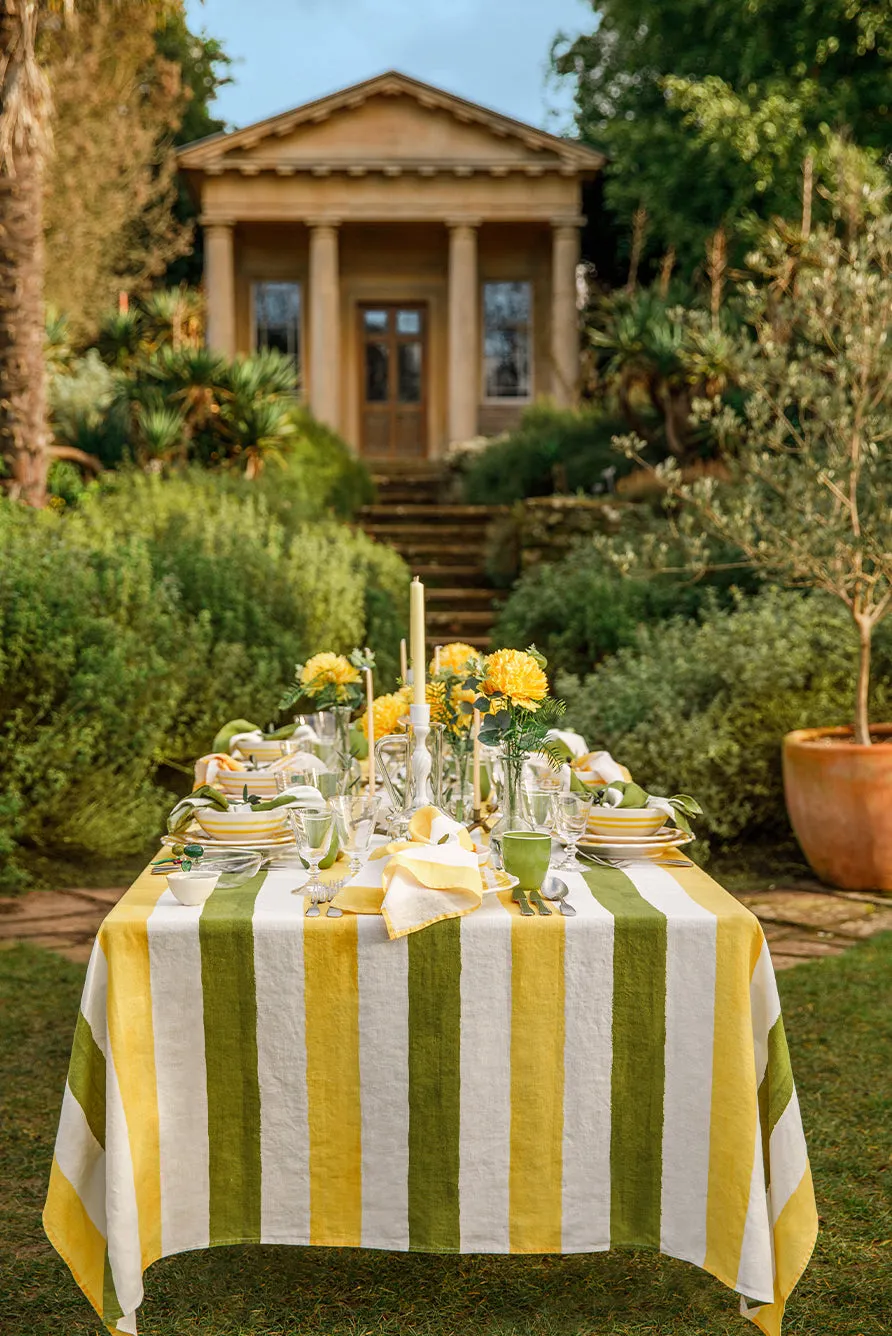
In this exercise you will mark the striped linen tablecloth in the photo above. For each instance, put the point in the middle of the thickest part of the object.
(495, 1084)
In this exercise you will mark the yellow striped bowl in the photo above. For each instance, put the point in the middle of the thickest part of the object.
(242, 826)
(259, 782)
(625, 820)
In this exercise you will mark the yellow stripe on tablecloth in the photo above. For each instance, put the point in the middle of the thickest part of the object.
(537, 1081)
(132, 1040)
(67, 1226)
(331, 993)
(795, 1232)
(733, 1120)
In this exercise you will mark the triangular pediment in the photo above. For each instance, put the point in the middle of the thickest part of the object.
(390, 121)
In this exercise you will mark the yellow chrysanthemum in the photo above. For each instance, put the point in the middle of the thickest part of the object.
(327, 668)
(455, 656)
(515, 676)
(388, 710)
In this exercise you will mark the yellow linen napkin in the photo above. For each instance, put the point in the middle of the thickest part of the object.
(413, 883)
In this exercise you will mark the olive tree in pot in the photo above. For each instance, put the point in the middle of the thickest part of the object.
(809, 503)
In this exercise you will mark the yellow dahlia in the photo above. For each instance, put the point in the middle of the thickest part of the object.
(455, 656)
(515, 676)
(328, 669)
(388, 711)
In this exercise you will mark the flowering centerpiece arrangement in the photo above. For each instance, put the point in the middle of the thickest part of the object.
(334, 682)
(510, 689)
(451, 702)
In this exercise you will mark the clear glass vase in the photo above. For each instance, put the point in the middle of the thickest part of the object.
(512, 815)
(345, 765)
(460, 802)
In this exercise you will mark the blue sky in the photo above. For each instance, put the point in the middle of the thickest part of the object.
(491, 51)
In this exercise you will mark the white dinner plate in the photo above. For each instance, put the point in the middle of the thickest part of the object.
(196, 836)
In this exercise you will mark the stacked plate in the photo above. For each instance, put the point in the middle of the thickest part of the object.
(635, 846)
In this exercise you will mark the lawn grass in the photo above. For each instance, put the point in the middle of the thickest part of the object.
(838, 1015)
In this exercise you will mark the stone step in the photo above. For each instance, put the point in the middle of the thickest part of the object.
(432, 550)
(482, 618)
(424, 511)
(456, 597)
(400, 534)
(434, 574)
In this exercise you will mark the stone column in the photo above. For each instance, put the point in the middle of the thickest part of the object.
(464, 320)
(564, 315)
(219, 286)
(324, 387)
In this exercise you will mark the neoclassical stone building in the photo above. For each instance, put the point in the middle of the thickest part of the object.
(416, 254)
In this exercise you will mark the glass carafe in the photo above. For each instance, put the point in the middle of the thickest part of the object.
(394, 757)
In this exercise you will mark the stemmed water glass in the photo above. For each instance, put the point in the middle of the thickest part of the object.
(322, 780)
(312, 828)
(570, 812)
(355, 818)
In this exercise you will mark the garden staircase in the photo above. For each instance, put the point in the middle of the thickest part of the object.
(443, 544)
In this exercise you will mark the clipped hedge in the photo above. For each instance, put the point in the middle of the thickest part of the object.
(550, 450)
(701, 708)
(133, 624)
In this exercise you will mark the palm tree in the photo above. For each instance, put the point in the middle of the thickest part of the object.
(24, 135)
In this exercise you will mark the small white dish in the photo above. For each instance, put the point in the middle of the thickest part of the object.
(193, 887)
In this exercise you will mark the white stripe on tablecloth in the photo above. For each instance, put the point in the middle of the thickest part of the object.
(755, 1273)
(82, 1159)
(787, 1155)
(178, 1024)
(383, 969)
(124, 1248)
(94, 1000)
(282, 1060)
(485, 1072)
(765, 1008)
(588, 1058)
(687, 1101)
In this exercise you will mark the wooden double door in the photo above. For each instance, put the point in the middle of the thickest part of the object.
(393, 369)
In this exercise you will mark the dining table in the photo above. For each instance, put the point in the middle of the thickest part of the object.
(614, 1077)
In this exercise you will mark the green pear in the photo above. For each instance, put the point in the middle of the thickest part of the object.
(228, 731)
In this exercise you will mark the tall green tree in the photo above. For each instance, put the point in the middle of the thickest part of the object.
(708, 108)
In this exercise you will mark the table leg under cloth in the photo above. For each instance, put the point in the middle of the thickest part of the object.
(242, 1074)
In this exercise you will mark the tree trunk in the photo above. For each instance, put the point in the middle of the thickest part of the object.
(862, 718)
(23, 411)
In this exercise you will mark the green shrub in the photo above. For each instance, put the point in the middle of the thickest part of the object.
(579, 610)
(551, 450)
(702, 708)
(136, 622)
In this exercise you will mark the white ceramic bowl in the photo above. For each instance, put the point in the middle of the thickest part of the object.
(625, 820)
(242, 826)
(193, 887)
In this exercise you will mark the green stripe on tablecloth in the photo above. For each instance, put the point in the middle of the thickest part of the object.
(111, 1307)
(86, 1077)
(226, 935)
(434, 1086)
(776, 1088)
(638, 1075)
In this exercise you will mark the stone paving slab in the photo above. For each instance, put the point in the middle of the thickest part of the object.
(802, 922)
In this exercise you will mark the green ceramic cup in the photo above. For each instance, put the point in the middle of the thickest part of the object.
(526, 854)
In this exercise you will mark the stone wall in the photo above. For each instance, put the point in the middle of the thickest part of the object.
(545, 528)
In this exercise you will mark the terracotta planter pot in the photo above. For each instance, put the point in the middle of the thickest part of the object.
(839, 797)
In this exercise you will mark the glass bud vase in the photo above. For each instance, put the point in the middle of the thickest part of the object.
(511, 806)
(461, 788)
(344, 762)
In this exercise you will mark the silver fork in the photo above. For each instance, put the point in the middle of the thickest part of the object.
(629, 862)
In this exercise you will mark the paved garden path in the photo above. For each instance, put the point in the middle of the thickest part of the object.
(801, 921)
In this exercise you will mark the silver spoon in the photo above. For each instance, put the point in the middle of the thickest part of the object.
(553, 888)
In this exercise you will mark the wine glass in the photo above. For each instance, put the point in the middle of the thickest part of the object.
(355, 818)
(312, 828)
(570, 812)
